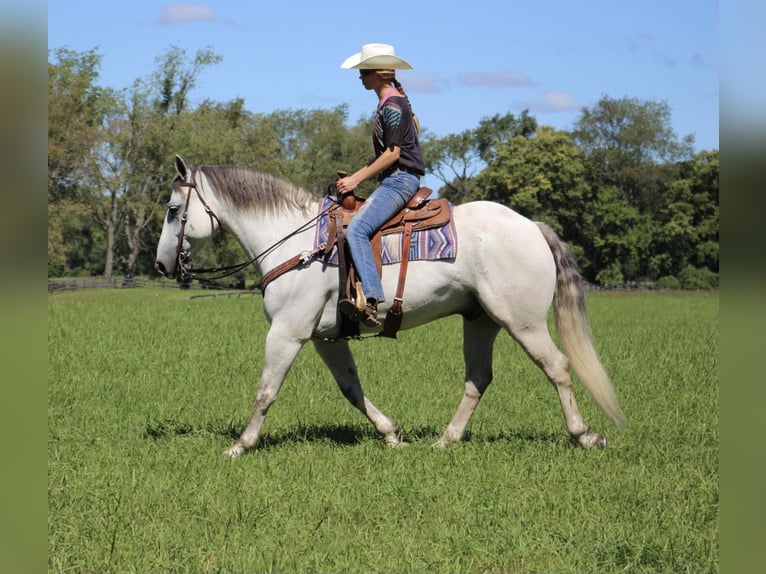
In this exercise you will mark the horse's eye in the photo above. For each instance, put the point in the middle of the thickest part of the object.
(172, 211)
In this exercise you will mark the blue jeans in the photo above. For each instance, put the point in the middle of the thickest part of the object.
(392, 195)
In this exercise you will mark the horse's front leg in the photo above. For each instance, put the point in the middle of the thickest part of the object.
(281, 350)
(338, 358)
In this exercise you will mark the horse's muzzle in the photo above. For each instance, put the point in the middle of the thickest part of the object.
(160, 267)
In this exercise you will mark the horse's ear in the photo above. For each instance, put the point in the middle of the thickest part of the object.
(181, 167)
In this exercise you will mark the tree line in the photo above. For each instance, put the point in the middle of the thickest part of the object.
(636, 203)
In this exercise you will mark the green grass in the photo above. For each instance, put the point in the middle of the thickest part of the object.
(146, 388)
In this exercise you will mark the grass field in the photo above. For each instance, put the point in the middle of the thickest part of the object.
(147, 387)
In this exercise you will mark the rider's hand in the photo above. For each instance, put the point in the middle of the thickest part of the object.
(346, 184)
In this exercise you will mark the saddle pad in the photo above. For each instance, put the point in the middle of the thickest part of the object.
(427, 245)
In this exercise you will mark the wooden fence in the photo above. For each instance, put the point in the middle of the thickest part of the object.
(77, 283)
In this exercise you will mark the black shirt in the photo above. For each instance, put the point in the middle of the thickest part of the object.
(394, 126)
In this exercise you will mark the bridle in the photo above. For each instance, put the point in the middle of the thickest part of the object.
(185, 272)
(182, 255)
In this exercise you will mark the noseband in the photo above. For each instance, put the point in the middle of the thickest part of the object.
(182, 255)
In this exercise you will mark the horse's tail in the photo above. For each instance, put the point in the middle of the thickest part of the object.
(574, 329)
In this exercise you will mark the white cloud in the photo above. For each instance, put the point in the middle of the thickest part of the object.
(560, 101)
(423, 84)
(177, 13)
(552, 101)
(496, 80)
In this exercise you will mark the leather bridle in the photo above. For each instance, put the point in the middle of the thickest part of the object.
(182, 255)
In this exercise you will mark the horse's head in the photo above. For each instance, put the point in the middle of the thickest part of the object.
(189, 218)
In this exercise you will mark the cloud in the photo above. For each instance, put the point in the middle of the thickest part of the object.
(552, 101)
(559, 101)
(424, 84)
(496, 80)
(179, 13)
(436, 84)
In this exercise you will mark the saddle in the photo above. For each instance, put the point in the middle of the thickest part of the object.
(420, 213)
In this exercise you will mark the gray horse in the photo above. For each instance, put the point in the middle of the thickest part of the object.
(507, 272)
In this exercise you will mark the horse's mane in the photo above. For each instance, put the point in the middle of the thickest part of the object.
(248, 189)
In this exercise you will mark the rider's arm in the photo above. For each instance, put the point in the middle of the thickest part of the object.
(385, 160)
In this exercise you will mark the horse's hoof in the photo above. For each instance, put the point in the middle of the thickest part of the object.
(234, 451)
(394, 439)
(440, 444)
(591, 439)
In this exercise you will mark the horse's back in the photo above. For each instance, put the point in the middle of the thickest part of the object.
(484, 227)
(504, 253)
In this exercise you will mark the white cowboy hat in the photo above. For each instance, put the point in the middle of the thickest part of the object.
(375, 57)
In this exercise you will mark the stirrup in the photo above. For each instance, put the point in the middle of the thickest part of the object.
(370, 315)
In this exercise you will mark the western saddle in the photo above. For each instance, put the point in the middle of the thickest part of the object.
(419, 214)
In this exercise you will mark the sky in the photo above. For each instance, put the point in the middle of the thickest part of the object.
(472, 58)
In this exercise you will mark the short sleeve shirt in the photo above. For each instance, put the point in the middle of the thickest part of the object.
(394, 126)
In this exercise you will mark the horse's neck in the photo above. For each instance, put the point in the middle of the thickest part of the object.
(259, 232)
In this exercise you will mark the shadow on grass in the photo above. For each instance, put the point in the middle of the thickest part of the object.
(432, 433)
(340, 434)
(522, 436)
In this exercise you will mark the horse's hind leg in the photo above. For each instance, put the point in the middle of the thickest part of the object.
(478, 341)
(537, 342)
(338, 358)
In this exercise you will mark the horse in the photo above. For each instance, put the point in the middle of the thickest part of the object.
(506, 274)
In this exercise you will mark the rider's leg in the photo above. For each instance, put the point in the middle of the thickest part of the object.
(392, 195)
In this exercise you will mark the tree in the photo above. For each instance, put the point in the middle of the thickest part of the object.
(76, 108)
(548, 177)
(156, 120)
(687, 231)
(452, 160)
(543, 178)
(456, 158)
(74, 244)
(75, 111)
(619, 239)
(106, 179)
(625, 139)
(176, 76)
(493, 131)
(313, 144)
(629, 197)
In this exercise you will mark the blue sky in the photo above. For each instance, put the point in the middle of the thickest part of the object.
(471, 59)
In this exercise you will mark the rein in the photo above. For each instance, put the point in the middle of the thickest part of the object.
(190, 274)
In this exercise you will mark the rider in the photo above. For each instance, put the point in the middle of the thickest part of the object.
(398, 166)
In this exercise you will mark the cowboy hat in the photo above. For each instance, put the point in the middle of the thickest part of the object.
(375, 57)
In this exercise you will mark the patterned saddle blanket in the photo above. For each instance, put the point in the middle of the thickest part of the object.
(426, 245)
